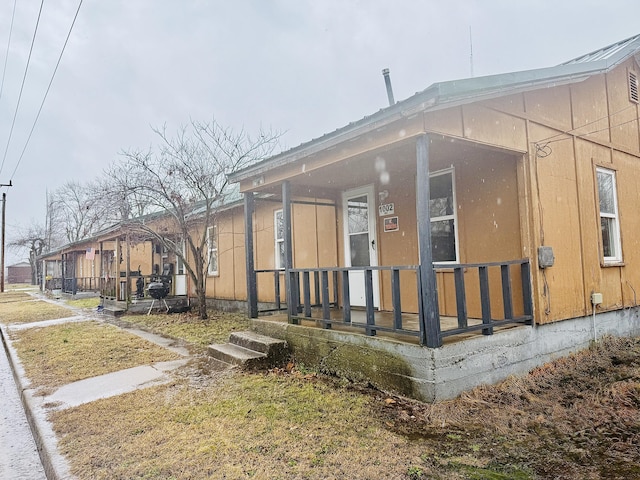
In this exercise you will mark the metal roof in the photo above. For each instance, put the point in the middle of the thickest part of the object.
(457, 92)
(613, 53)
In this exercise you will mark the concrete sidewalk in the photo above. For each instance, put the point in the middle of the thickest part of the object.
(83, 391)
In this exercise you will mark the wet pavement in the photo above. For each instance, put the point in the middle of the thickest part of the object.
(19, 458)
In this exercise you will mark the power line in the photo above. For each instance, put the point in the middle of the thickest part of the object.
(47, 91)
(4, 70)
(24, 78)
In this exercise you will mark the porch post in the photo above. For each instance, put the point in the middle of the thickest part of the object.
(430, 334)
(252, 289)
(62, 271)
(292, 303)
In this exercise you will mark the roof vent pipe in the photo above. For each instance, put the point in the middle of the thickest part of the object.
(387, 82)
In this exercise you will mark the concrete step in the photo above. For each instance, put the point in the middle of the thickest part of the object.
(112, 311)
(257, 342)
(251, 350)
(237, 355)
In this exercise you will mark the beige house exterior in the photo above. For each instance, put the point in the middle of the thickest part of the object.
(476, 204)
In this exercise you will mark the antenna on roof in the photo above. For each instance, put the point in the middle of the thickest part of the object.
(470, 51)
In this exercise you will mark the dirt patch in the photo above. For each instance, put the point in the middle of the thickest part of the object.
(578, 417)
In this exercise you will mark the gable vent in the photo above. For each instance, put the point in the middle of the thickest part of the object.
(633, 87)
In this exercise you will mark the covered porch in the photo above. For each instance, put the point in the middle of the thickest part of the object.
(427, 241)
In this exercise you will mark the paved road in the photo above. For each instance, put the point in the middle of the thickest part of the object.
(19, 458)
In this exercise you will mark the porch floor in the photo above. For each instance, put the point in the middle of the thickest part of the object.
(385, 319)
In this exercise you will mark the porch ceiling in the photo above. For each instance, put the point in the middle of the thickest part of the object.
(370, 167)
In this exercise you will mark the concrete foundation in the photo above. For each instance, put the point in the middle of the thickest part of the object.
(433, 374)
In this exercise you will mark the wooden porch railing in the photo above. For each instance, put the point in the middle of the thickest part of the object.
(327, 299)
(73, 285)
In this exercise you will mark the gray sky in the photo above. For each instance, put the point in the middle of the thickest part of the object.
(305, 67)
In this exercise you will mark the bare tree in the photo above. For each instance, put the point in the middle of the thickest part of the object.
(186, 180)
(80, 209)
(34, 240)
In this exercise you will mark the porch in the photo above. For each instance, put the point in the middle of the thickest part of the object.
(419, 232)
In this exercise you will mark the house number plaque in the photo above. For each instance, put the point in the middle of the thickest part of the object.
(386, 209)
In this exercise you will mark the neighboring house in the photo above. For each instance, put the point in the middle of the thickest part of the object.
(19, 273)
(473, 204)
(104, 264)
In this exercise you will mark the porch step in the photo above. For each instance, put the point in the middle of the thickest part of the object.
(112, 311)
(250, 350)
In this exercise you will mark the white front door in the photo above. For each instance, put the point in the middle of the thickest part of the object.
(180, 278)
(360, 243)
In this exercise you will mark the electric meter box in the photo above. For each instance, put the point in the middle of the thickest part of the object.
(545, 257)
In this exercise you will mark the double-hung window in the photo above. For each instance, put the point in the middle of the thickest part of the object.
(609, 219)
(442, 210)
(278, 236)
(212, 247)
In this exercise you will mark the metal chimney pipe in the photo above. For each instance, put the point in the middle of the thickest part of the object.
(387, 82)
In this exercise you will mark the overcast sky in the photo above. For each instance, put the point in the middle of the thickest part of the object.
(305, 67)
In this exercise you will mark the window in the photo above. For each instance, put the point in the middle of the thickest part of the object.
(278, 234)
(609, 222)
(212, 246)
(442, 211)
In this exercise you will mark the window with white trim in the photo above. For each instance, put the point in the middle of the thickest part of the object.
(442, 210)
(609, 219)
(212, 247)
(278, 237)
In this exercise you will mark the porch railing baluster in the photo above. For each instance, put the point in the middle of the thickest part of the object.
(507, 301)
(485, 299)
(276, 284)
(326, 307)
(368, 290)
(346, 300)
(316, 287)
(395, 295)
(461, 297)
(306, 289)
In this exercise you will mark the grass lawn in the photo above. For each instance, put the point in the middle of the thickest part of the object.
(190, 328)
(575, 418)
(61, 354)
(88, 302)
(243, 426)
(22, 308)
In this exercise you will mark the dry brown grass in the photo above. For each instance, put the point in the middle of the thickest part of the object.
(61, 354)
(9, 297)
(245, 426)
(90, 303)
(26, 310)
(190, 328)
(575, 418)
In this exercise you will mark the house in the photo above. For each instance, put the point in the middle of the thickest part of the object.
(475, 230)
(471, 207)
(19, 273)
(109, 263)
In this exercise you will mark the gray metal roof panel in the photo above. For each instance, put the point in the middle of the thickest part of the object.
(612, 53)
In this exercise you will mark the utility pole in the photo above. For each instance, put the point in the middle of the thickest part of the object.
(4, 209)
